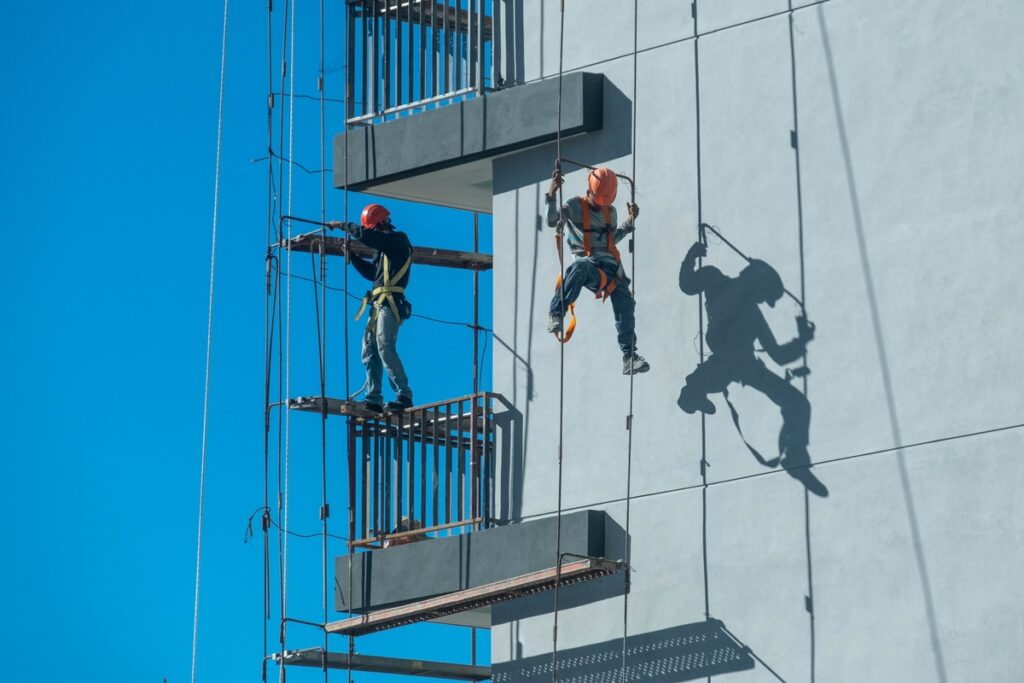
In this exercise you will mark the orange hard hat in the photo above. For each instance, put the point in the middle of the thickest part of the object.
(603, 186)
(374, 214)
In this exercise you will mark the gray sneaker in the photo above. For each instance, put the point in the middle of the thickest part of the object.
(554, 324)
(634, 364)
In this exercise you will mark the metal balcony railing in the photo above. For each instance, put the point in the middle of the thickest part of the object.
(411, 54)
(425, 471)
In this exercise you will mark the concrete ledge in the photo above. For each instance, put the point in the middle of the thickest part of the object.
(461, 133)
(402, 574)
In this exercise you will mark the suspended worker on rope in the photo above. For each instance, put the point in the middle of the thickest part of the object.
(597, 265)
(389, 272)
(734, 323)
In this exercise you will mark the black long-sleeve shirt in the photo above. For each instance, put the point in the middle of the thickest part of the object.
(394, 244)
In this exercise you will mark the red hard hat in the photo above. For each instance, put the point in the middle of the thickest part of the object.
(603, 186)
(374, 214)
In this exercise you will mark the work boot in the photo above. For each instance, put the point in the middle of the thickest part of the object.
(398, 405)
(373, 407)
(554, 324)
(691, 402)
(633, 364)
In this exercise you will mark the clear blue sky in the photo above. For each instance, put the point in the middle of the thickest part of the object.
(109, 124)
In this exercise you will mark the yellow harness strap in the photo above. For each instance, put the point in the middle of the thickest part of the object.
(386, 292)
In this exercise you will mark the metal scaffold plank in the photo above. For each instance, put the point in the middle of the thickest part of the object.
(428, 256)
(313, 657)
(575, 571)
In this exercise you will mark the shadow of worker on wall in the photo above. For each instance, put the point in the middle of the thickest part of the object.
(734, 323)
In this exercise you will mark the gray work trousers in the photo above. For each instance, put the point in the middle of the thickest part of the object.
(380, 353)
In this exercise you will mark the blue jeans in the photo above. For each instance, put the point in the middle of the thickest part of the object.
(379, 353)
(583, 272)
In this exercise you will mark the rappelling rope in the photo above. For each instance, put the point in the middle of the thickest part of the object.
(209, 344)
(629, 416)
(561, 350)
(700, 312)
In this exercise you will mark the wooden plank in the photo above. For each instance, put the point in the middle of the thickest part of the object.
(313, 657)
(428, 256)
(577, 570)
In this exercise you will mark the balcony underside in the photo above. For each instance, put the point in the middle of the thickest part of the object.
(443, 156)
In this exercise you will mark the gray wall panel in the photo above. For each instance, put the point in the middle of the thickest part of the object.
(913, 559)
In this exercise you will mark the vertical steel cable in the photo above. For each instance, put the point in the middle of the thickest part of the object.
(632, 376)
(323, 348)
(346, 113)
(209, 343)
(561, 352)
(283, 489)
(268, 331)
(700, 313)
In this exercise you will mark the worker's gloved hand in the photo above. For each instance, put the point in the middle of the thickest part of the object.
(804, 329)
(698, 250)
(350, 228)
(633, 210)
(556, 182)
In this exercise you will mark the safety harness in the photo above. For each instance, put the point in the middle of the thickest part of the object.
(607, 285)
(385, 292)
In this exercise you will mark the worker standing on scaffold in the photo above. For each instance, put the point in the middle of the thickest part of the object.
(597, 265)
(389, 272)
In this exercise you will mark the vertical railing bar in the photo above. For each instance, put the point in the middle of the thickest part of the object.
(375, 478)
(376, 61)
(364, 41)
(462, 470)
(437, 424)
(496, 56)
(411, 61)
(423, 56)
(365, 494)
(445, 39)
(469, 42)
(350, 59)
(423, 467)
(480, 53)
(457, 61)
(435, 46)
(474, 464)
(399, 487)
(389, 473)
(351, 486)
(399, 67)
(488, 458)
(412, 467)
(448, 462)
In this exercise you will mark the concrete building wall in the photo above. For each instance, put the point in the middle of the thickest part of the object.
(903, 228)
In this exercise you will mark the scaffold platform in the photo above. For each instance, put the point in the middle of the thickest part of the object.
(574, 571)
(313, 657)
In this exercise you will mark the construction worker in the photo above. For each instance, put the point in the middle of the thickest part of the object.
(734, 323)
(389, 272)
(592, 236)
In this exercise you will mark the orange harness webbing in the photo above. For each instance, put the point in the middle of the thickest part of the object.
(605, 288)
(607, 285)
